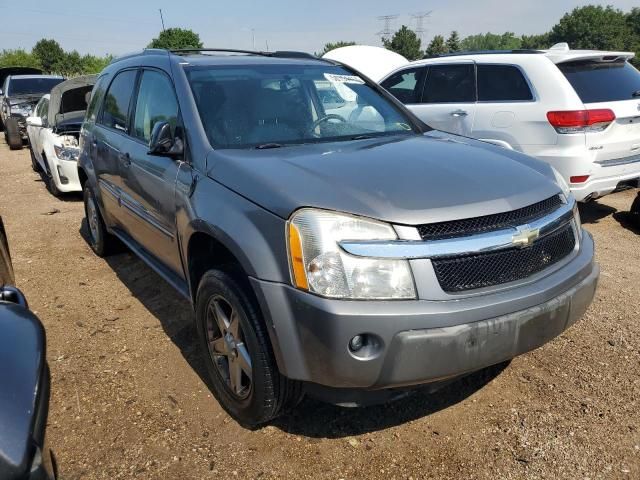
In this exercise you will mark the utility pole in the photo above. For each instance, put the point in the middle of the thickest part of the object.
(386, 31)
(253, 38)
(161, 18)
(419, 18)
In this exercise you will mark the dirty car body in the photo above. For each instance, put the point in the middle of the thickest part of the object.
(375, 252)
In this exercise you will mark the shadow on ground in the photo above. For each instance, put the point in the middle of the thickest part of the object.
(316, 419)
(593, 211)
(171, 309)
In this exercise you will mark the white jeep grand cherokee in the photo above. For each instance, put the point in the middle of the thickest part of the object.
(578, 110)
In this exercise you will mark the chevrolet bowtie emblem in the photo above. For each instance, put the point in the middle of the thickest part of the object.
(525, 236)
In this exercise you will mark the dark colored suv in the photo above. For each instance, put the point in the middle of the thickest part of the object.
(328, 240)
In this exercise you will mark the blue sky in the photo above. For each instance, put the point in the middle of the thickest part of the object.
(118, 26)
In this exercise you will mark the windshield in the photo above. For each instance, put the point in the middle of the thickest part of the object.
(36, 86)
(596, 82)
(268, 106)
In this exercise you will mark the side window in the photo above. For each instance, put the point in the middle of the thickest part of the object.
(502, 83)
(156, 103)
(96, 95)
(406, 85)
(116, 102)
(450, 84)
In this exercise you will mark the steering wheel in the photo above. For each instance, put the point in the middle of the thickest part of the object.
(326, 118)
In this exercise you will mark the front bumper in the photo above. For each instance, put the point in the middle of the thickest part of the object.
(421, 341)
(66, 175)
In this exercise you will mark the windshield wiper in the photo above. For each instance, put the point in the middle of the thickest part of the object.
(364, 136)
(636, 94)
(266, 146)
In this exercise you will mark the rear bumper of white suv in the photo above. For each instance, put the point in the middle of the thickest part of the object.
(604, 176)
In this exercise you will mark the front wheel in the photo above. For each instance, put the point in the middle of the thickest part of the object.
(240, 362)
(34, 161)
(12, 134)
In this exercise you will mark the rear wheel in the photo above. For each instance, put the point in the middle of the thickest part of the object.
(242, 369)
(100, 240)
(635, 208)
(12, 134)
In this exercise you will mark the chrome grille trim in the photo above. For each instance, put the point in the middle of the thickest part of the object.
(468, 245)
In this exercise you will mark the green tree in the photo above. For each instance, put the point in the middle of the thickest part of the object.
(536, 42)
(332, 46)
(93, 64)
(49, 52)
(491, 41)
(437, 47)
(594, 27)
(18, 58)
(453, 42)
(70, 64)
(174, 38)
(405, 42)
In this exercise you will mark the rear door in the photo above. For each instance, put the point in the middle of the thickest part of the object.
(148, 188)
(448, 100)
(614, 85)
(109, 139)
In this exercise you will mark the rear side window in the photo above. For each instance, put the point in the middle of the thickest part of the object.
(116, 102)
(502, 83)
(596, 82)
(450, 84)
(406, 85)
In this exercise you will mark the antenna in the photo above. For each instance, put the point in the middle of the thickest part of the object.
(419, 18)
(386, 31)
(161, 18)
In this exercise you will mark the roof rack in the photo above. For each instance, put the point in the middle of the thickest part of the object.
(485, 52)
(277, 54)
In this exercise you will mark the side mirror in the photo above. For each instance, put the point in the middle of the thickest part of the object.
(163, 142)
(34, 121)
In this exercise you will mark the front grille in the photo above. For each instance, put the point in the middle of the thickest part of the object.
(458, 274)
(488, 223)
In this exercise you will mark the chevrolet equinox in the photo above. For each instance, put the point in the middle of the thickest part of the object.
(328, 240)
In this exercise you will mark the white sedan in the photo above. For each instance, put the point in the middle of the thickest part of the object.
(53, 131)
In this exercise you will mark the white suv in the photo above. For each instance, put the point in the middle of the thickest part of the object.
(577, 110)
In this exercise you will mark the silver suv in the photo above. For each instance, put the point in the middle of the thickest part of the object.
(329, 241)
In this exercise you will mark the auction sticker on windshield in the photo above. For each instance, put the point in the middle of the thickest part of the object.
(343, 78)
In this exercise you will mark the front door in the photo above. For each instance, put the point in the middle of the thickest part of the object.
(148, 190)
(449, 98)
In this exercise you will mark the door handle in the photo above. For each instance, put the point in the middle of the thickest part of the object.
(125, 158)
(459, 113)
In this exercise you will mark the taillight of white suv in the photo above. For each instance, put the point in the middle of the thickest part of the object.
(581, 121)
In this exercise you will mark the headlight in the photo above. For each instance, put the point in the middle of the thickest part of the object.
(562, 183)
(25, 111)
(66, 153)
(319, 265)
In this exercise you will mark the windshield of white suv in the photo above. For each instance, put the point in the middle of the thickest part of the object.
(267, 106)
(596, 82)
(32, 86)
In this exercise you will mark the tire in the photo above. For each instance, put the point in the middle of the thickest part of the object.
(100, 240)
(12, 134)
(34, 162)
(260, 392)
(48, 178)
(635, 208)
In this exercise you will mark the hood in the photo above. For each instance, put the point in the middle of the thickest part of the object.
(374, 62)
(401, 179)
(70, 96)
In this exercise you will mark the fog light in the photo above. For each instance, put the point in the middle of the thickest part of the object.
(63, 180)
(356, 343)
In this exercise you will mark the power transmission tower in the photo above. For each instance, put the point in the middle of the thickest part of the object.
(386, 31)
(419, 18)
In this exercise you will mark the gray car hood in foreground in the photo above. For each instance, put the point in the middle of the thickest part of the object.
(401, 179)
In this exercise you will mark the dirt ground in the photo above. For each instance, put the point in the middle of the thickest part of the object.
(128, 399)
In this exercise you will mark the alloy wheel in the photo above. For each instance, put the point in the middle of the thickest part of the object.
(227, 348)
